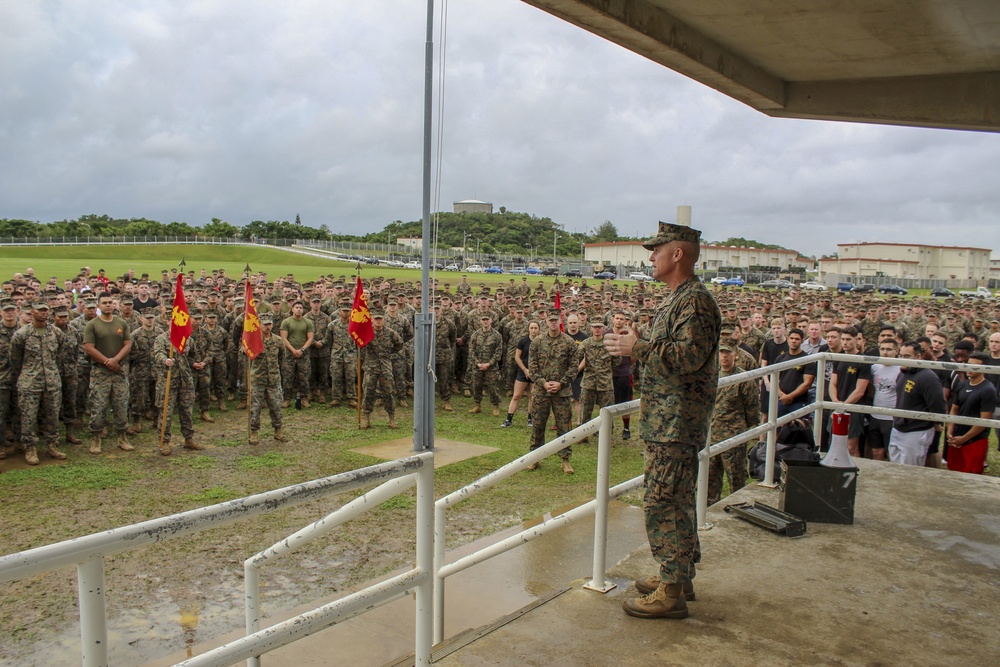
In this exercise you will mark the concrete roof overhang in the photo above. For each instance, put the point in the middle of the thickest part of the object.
(928, 63)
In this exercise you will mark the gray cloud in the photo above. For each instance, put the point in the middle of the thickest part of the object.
(261, 110)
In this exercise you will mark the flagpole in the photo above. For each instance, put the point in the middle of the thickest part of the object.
(358, 350)
(249, 395)
(166, 400)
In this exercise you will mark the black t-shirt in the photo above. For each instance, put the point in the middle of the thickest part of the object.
(972, 400)
(524, 345)
(995, 378)
(770, 351)
(919, 391)
(790, 379)
(848, 373)
(140, 305)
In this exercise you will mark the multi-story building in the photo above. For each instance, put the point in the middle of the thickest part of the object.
(908, 260)
(712, 257)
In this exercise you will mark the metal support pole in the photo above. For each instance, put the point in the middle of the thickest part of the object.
(772, 435)
(704, 464)
(423, 388)
(602, 495)
(93, 612)
(251, 587)
(818, 416)
(439, 541)
(425, 562)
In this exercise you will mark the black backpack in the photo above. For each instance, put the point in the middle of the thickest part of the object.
(795, 443)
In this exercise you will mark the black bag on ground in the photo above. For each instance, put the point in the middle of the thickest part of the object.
(795, 443)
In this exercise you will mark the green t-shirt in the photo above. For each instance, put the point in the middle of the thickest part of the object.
(297, 330)
(107, 337)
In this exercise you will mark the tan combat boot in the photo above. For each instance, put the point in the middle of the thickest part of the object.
(667, 601)
(652, 582)
(475, 409)
(366, 420)
(447, 406)
(242, 404)
(222, 406)
(95, 443)
(279, 436)
(189, 443)
(285, 404)
(30, 456)
(71, 438)
(496, 411)
(392, 423)
(135, 428)
(334, 403)
(305, 402)
(402, 403)
(352, 402)
(254, 438)
(205, 417)
(55, 453)
(566, 467)
(165, 448)
(123, 443)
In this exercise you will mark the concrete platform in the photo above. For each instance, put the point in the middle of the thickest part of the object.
(916, 581)
(445, 451)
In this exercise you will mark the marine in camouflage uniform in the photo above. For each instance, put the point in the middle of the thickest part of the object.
(553, 357)
(513, 330)
(197, 351)
(181, 397)
(735, 412)
(35, 351)
(486, 348)
(217, 349)
(444, 360)
(402, 364)
(343, 360)
(142, 382)
(8, 392)
(319, 353)
(376, 360)
(597, 385)
(680, 381)
(265, 382)
(69, 371)
(107, 343)
(82, 360)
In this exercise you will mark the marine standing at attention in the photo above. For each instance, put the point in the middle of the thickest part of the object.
(680, 378)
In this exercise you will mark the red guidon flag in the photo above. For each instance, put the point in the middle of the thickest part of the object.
(558, 306)
(180, 318)
(360, 326)
(253, 343)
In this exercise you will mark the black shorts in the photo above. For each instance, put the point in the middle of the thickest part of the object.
(879, 431)
(623, 388)
(576, 387)
(520, 375)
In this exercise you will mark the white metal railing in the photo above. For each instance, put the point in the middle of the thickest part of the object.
(88, 554)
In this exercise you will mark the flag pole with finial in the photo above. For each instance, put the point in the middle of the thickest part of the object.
(177, 335)
(358, 349)
(249, 291)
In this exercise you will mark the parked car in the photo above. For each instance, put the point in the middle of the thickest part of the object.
(639, 275)
(845, 287)
(550, 271)
(818, 287)
(371, 260)
(978, 293)
(494, 269)
(863, 288)
(942, 291)
(394, 263)
(452, 267)
(534, 271)
(518, 271)
(605, 275)
(411, 265)
(891, 289)
(717, 280)
(734, 282)
(573, 273)
(475, 268)
(777, 283)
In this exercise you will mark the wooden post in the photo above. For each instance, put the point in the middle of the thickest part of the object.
(166, 400)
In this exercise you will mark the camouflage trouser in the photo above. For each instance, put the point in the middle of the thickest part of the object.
(402, 376)
(590, 397)
(219, 378)
(203, 387)
(460, 373)
(319, 377)
(442, 369)
(344, 379)
(734, 463)
(39, 407)
(181, 399)
(294, 375)
(108, 389)
(259, 395)
(8, 410)
(141, 388)
(562, 410)
(379, 381)
(235, 370)
(509, 373)
(488, 380)
(669, 508)
(82, 385)
(69, 399)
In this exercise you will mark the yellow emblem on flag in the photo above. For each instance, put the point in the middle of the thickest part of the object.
(180, 317)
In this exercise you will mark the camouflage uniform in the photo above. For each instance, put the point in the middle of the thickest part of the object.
(69, 370)
(552, 358)
(754, 338)
(82, 365)
(142, 383)
(319, 357)
(596, 386)
(265, 383)
(34, 361)
(181, 386)
(402, 362)
(217, 349)
(108, 388)
(680, 380)
(343, 362)
(197, 351)
(485, 348)
(513, 331)
(444, 355)
(295, 370)
(735, 412)
(376, 360)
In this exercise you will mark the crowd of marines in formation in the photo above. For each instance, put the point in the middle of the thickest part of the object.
(100, 346)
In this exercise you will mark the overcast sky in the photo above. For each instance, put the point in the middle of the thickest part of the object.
(260, 110)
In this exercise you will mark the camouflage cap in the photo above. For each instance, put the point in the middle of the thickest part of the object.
(7, 304)
(378, 314)
(727, 343)
(90, 302)
(266, 318)
(40, 304)
(668, 232)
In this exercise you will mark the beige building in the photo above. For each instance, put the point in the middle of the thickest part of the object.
(414, 242)
(712, 257)
(908, 260)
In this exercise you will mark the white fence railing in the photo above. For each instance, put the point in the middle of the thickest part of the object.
(428, 577)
